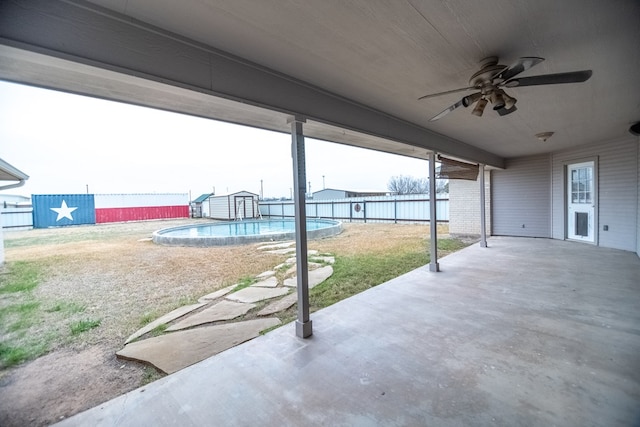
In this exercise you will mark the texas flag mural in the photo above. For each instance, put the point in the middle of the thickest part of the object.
(63, 209)
(75, 209)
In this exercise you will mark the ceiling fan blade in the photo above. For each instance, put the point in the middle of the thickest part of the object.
(462, 89)
(522, 64)
(447, 111)
(551, 79)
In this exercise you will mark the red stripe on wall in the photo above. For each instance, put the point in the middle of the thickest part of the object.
(140, 213)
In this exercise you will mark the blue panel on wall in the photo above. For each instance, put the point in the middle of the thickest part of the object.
(63, 209)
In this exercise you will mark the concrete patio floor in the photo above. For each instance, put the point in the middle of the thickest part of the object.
(532, 332)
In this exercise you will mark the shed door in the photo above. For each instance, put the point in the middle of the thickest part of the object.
(581, 201)
(244, 207)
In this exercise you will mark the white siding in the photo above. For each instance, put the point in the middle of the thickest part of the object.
(617, 168)
(206, 208)
(464, 206)
(520, 197)
(219, 207)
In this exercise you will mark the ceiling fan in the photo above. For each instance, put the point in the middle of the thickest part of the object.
(492, 77)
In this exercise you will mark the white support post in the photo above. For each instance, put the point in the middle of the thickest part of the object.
(483, 226)
(433, 220)
(303, 323)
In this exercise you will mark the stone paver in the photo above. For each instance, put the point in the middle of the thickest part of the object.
(173, 315)
(311, 265)
(271, 282)
(276, 246)
(217, 294)
(253, 294)
(172, 352)
(281, 304)
(315, 277)
(266, 274)
(223, 310)
(180, 347)
(282, 251)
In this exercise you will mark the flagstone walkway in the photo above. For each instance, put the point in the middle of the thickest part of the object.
(216, 323)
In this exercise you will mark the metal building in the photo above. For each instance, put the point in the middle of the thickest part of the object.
(140, 207)
(58, 210)
(200, 206)
(332, 193)
(55, 210)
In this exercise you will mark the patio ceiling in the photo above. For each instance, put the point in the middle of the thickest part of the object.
(354, 69)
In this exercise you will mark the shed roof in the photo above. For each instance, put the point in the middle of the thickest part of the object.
(234, 193)
(203, 198)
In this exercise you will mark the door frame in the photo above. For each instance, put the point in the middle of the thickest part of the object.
(596, 198)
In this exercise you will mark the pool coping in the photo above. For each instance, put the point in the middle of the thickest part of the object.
(209, 241)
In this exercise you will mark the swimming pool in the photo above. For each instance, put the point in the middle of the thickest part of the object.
(241, 232)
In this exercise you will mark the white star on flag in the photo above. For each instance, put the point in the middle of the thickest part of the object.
(63, 211)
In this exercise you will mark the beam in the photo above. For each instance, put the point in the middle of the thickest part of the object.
(85, 33)
(303, 323)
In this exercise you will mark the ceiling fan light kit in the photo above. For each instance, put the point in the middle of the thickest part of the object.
(490, 79)
(509, 102)
(543, 136)
(471, 99)
(479, 109)
(497, 100)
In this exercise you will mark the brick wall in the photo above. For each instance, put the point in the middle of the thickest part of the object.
(464, 206)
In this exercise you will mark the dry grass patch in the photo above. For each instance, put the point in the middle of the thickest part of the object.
(106, 281)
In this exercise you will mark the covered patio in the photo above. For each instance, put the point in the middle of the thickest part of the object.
(524, 332)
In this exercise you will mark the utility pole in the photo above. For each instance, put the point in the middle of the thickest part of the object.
(323, 186)
(261, 191)
(309, 188)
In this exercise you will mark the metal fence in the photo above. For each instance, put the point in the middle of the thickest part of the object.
(412, 208)
(17, 218)
(409, 209)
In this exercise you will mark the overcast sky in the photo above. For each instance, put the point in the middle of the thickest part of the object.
(67, 142)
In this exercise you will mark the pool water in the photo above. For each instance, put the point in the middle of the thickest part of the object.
(242, 228)
(239, 232)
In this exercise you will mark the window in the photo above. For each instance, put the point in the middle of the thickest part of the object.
(581, 185)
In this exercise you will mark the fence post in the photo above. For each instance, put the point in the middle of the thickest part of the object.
(395, 211)
(364, 210)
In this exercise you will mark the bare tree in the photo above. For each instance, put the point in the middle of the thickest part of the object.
(402, 184)
(442, 186)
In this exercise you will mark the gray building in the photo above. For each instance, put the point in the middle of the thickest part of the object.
(331, 193)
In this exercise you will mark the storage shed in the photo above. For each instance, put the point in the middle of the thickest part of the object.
(240, 205)
(200, 206)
